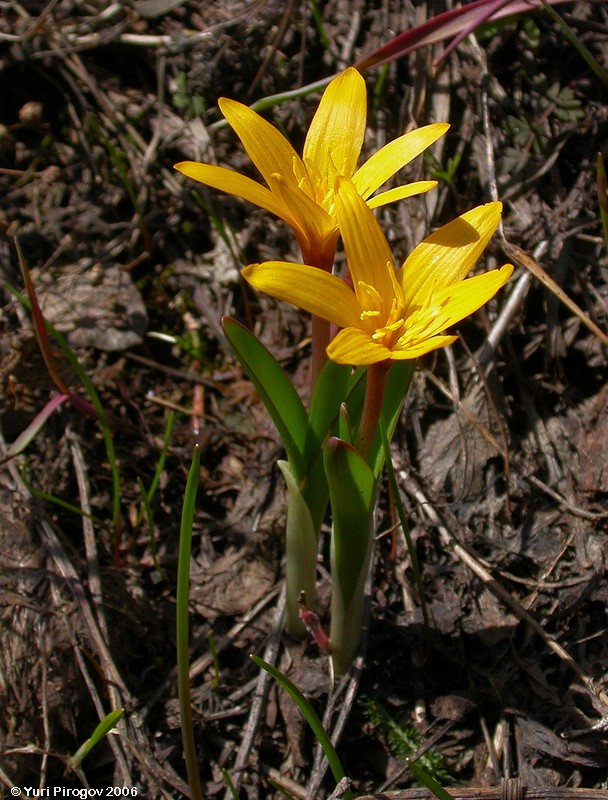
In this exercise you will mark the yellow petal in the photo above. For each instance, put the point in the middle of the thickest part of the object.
(462, 299)
(446, 256)
(384, 163)
(353, 346)
(231, 182)
(367, 251)
(335, 136)
(309, 288)
(422, 347)
(400, 193)
(311, 223)
(265, 145)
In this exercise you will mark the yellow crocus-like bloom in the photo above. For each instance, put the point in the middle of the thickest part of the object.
(389, 314)
(300, 190)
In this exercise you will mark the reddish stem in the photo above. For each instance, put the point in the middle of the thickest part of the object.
(372, 405)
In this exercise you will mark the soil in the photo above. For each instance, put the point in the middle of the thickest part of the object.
(500, 454)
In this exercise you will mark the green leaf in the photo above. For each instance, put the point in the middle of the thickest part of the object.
(104, 727)
(345, 428)
(275, 391)
(352, 491)
(332, 388)
(311, 717)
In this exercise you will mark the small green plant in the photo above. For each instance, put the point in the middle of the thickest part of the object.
(403, 740)
(190, 105)
(445, 173)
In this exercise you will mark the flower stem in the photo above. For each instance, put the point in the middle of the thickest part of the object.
(320, 342)
(372, 405)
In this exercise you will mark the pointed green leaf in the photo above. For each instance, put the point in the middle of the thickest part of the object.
(301, 553)
(314, 491)
(331, 389)
(274, 389)
(352, 492)
(427, 780)
(310, 715)
(345, 428)
(104, 727)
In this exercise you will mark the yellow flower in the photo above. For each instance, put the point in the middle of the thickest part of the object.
(300, 190)
(390, 314)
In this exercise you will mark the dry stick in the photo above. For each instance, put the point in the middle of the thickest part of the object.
(257, 706)
(498, 590)
(349, 684)
(152, 148)
(291, 788)
(90, 542)
(565, 504)
(6, 780)
(525, 260)
(510, 789)
(45, 711)
(509, 310)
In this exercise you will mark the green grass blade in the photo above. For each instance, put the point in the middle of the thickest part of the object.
(162, 458)
(215, 680)
(147, 496)
(50, 498)
(146, 511)
(311, 717)
(183, 657)
(602, 196)
(591, 62)
(229, 784)
(426, 780)
(103, 424)
(104, 727)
